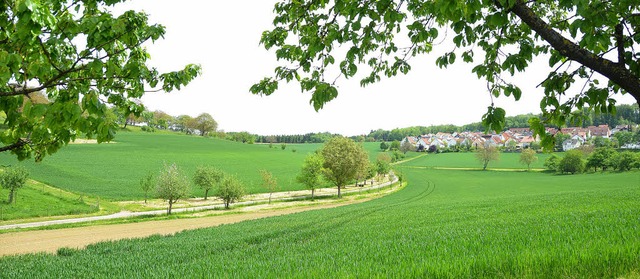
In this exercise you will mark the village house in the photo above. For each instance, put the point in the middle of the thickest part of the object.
(412, 140)
(599, 131)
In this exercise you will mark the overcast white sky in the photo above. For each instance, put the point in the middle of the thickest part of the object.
(223, 37)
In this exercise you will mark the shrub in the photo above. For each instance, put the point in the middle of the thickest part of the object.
(572, 162)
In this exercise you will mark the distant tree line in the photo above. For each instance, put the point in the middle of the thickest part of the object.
(306, 138)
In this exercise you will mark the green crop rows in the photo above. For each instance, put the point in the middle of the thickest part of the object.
(445, 223)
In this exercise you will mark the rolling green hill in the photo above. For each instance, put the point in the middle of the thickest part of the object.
(113, 170)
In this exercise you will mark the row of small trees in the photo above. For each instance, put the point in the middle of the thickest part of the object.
(603, 158)
(340, 161)
(488, 153)
(172, 185)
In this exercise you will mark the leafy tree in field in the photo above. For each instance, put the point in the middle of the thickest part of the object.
(623, 137)
(600, 158)
(382, 167)
(163, 120)
(528, 157)
(624, 161)
(146, 183)
(13, 178)
(552, 162)
(231, 190)
(269, 182)
(342, 159)
(395, 145)
(205, 124)
(396, 156)
(384, 157)
(384, 146)
(602, 142)
(172, 185)
(311, 173)
(572, 162)
(636, 163)
(487, 154)
(207, 178)
(406, 147)
(185, 123)
(511, 146)
(363, 170)
(84, 60)
(590, 46)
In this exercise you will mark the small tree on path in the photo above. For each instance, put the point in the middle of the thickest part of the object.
(311, 173)
(172, 185)
(146, 183)
(231, 190)
(269, 182)
(13, 179)
(207, 178)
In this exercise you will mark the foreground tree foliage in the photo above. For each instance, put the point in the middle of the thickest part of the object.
(320, 42)
(13, 178)
(83, 60)
(343, 160)
(172, 185)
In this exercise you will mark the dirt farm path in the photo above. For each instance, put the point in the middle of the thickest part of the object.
(51, 240)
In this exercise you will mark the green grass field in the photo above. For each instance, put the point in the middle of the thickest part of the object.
(445, 223)
(113, 171)
(38, 200)
(468, 160)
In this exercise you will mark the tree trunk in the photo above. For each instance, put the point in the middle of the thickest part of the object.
(206, 193)
(616, 72)
(170, 205)
(339, 195)
(312, 193)
(11, 195)
(270, 197)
